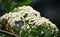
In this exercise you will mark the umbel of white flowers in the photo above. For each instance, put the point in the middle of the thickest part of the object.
(29, 22)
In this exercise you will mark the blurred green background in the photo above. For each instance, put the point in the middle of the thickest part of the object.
(8, 5)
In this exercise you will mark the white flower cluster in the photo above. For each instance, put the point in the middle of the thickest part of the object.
(19, 13)
(39, 22)
(27, 13)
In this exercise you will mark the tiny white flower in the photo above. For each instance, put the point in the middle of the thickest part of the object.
(42, 32)
(33, 26)
(28, 27)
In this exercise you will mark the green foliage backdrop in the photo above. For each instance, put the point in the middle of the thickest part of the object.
(8, 5)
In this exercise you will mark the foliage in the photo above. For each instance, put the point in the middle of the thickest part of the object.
(8, 5)
(4, 35)
(58, 34)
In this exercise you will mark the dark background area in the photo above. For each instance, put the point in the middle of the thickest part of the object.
(49, 9)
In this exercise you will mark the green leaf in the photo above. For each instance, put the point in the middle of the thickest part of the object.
(24, 2)
(4, 35)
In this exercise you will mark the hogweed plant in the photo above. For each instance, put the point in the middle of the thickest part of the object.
(27, 22)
